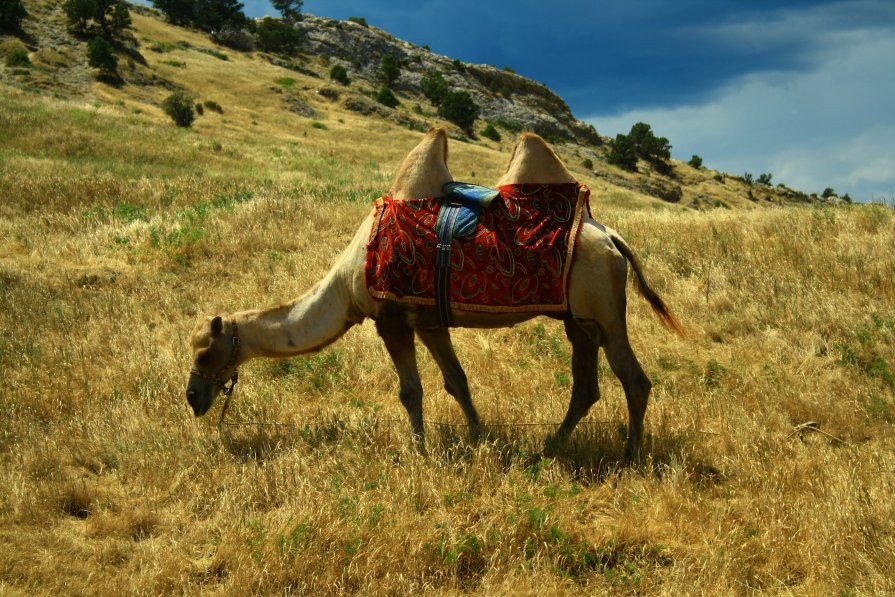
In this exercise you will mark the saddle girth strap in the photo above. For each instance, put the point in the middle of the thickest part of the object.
(443, 264)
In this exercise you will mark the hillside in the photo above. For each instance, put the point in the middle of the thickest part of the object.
(770, 446)
(282, 99)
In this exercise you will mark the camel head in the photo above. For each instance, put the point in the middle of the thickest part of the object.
(215, 345)
(424, 171)
(532, 161)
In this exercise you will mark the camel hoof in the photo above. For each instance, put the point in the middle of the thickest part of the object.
(554, 443)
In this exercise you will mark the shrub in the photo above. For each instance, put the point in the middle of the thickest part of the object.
(179, 106)
(100, 55)
(387, 98)
(491, 133)
(588, 163)
(214, 106)
(434, 87)
(458, 107)
(178, 12)
(695, 162)
(828, 192)
(647, 145)
(622, 153)
(276, 36)
(11, 14)
(339, 74)
(765, 179)
(640, 143)
(111, 16)
(208, 15)
(18, 58)
(359, 20)
(747, 177)
(390, 69)
(290, 9)
(200, 109)
(242, 40)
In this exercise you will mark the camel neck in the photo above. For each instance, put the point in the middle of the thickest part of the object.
(304, 325)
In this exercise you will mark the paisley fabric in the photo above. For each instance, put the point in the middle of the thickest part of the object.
(517, 260)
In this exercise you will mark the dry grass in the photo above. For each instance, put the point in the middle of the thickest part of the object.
(118, 232)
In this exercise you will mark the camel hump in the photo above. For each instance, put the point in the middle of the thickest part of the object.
(424, 171)
(532, 161)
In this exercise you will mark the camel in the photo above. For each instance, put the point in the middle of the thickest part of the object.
(595, 317)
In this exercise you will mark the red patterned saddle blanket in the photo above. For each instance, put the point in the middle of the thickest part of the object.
(517, 260)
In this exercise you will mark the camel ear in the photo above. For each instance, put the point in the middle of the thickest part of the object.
(217, 326)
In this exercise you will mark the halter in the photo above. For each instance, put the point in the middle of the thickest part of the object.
(218, 379)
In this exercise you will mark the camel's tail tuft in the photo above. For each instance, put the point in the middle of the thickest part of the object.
(655, 301)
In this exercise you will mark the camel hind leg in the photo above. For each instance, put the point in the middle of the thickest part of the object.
(398, 338)
(438, 341)
(637, 387)
(585, 386)
(599, 309)
(586, 337)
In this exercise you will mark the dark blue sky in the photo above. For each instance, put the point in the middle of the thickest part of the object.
(800, 89)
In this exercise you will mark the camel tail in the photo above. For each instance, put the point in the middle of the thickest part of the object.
(655, 301)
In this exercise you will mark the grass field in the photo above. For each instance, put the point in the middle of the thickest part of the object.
(770, 461)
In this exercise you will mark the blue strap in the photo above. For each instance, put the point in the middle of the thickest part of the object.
(450, 211)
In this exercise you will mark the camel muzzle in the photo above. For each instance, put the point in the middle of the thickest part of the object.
(199, 398)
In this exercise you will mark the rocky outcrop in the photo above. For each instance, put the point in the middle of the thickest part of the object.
(509, 99)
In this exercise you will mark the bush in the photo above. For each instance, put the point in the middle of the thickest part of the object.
(18, 58)
(622, 153)
(434, 87)
(647, 145)
(179, 106)
(214, 106)
(458, 107)
(339, 74)
(828, 192)
(290, 9)
(390, 69)
(242, 40)
(359, 20)
(276, 36)
(640, 143)
(208, 15)
(695, 162)
(387, 98)
(11, 14)
(200, 109)
(491, 133)
(101, 56)
(747, 178)
(588, 163)
(112, 16)
(765, 179)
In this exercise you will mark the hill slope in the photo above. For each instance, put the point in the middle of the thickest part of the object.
(280, 99)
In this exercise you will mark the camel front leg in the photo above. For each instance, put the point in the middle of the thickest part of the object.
(398, 339)
(438, 341)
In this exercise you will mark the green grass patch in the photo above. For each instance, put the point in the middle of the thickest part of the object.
(287, 82)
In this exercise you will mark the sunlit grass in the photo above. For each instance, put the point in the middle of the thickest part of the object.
(118, 232)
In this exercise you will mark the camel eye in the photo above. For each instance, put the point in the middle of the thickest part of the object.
(204, 358)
